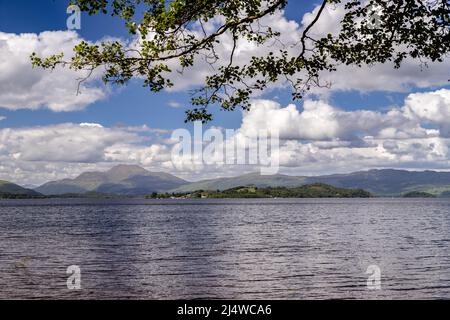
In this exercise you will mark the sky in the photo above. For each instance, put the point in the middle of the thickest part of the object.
(370, 118)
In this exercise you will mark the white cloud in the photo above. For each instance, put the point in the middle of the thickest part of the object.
(432, 107)
(23, 87)
(413, 73)
(384, 77)
(91, 125)
(61, 143)
(2, 118)
(175, 104)
(320, 121)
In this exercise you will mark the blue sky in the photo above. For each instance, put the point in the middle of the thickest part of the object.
(370, 118)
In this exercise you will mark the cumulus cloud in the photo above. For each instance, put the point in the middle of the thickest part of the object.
(61, 143)
(320, 121)
(431, 107)
(2, 118)
(174, 104)
(23, 87)
(384, 77)
(413, 73)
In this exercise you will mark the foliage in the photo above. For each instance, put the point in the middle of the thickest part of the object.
(87, 195)
(5, 195)
(406, 28)
(418, 194)
(317, 190)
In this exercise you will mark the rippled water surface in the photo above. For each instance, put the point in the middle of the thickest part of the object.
(234, 249)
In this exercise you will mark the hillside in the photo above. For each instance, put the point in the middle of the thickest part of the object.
(11, 190)
(389, 182)
(418, 194)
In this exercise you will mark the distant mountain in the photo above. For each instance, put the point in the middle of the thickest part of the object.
(254, 179)
(122, 180)
(389, 182)
(385, 182)
(11, 190)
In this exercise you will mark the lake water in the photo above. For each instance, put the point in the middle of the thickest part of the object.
(232, 249)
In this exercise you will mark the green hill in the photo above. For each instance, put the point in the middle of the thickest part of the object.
(317, 190)
(418, 194)
(11, 190)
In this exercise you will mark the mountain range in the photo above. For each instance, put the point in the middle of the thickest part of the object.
(132, 180)
(384, 182)
(122, 180)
